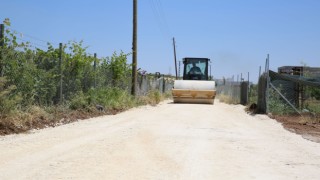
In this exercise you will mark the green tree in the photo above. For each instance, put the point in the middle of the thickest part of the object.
(120, 70)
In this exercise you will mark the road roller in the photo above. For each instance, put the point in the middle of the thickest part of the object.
(195, 86)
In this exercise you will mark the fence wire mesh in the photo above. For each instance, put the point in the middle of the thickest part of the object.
(154, 83)
(293, 93)
(229, 91)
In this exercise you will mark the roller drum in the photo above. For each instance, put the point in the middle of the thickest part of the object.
(194, 85)
(191, 91)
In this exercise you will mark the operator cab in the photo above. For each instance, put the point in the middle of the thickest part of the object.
(195, 68)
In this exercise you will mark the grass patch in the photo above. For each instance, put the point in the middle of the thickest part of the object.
(82, 106)
(227, 99)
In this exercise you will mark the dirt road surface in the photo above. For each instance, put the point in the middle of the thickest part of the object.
(170, 141)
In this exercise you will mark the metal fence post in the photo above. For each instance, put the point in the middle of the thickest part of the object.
(259, 72)
(268, 81)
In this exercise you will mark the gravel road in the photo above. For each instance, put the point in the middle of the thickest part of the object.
(169, 141)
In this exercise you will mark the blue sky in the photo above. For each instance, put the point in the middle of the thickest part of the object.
(236, 35)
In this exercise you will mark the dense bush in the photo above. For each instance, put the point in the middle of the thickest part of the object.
(33, 76)
(36, 73)
(8, 99)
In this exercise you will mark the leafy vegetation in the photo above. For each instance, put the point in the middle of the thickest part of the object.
(277, 105)
(8, 100)
(253, 94)
(30, 83)
(315, 93)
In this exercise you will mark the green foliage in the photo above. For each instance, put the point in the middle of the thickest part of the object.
(79, 101)
(36, 73)
(155, 97)
(315, 93)
(112, 98)
(277, 105)
(30, 90)
(78, 73)
(253, 94)
(120, 69)
(8, 100)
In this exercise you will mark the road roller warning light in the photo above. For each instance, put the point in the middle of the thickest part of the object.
(195, 86)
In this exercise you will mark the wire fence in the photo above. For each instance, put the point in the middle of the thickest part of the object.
(42, 78)
(154, 82)
(229, 91)
(291, 90)
(293, 93)
(234, 92)
(48, 76)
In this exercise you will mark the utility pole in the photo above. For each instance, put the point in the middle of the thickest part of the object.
(175, 57)
(134, 49)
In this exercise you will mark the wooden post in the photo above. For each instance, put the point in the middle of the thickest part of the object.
(134, 49)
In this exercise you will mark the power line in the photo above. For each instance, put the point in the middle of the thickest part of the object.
(160, 17)
(157, 17)
(164, 16)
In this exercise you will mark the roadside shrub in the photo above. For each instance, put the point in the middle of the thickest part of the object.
(8, 100)
(79, 101)
(226, 99)
(30, 90)
(111, 98)
(153, 97)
